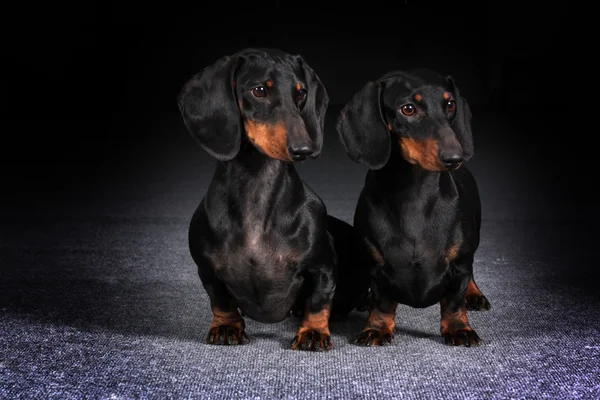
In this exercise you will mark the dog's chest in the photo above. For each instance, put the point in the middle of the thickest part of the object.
(256, 251)
(262, 273)
(426, 220)
(266, 248)
(424, 233)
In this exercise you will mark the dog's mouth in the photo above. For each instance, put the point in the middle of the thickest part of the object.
(300, 158)
(304, 157)
(454, 167)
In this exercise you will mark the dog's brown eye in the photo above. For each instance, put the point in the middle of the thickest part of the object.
(259, 91)
(450, 106)
(407, 109)
(301, 95)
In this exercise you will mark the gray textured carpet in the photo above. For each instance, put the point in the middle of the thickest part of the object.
(99, 298)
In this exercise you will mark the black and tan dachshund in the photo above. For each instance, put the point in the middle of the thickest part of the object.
(261, 238)
(419, 212)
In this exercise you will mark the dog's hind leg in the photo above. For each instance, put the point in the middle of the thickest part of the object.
(476, 300)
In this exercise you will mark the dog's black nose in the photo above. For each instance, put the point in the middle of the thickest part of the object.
(451, 160)
(301, 152)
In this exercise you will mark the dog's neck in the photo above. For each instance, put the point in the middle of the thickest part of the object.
(400, 176)
(255, 181)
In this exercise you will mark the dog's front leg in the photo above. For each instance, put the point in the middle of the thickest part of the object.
(454, 324)
(381, 323)
(227, 327)
(313, 334)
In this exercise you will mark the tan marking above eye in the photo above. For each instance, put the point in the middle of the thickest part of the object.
(271, 139)
(269, 83)
(298, 86)
(418, 97)
(446, 96)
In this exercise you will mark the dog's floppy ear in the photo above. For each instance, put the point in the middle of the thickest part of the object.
(462, 121)
(208, 105)
(362, 128)
(315, 108)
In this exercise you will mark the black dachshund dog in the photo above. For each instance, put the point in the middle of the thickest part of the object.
(263, 242)
(419, 212)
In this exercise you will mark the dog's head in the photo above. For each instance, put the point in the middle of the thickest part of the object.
(419, 112)
(272, 98)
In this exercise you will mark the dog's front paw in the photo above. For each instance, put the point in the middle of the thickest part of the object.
(312, 340)
(375, 337)
(477, 302)
(226, 335)
(462, 337)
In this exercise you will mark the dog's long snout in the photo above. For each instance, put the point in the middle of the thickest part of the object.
(299, 145)
(450, 151)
